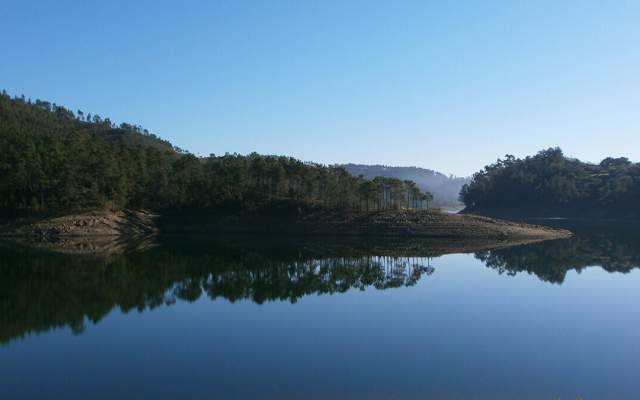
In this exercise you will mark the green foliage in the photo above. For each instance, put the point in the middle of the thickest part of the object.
(53, 160)
(549, 179)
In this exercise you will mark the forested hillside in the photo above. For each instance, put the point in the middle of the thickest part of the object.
(550, 181)
(445, 189)
(53, 160)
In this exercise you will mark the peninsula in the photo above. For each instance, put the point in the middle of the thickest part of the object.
(65, 173)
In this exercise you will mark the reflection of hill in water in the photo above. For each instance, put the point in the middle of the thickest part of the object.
(614, 251)
(42, 290)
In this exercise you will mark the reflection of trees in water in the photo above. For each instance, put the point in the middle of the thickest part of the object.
(42, 291)
(273, 280)
(551, 260)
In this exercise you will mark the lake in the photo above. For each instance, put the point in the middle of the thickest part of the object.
(323, 318)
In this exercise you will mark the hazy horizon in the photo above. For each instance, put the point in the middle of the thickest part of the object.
(444, 87)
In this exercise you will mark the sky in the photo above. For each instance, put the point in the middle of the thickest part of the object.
(450, 86)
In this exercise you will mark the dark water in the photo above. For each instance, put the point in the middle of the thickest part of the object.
(249, 318)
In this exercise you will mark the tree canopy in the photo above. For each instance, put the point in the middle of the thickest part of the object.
(53, 159)
(551, 180)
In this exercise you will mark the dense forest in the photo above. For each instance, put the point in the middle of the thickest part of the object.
(551, 181)
(445, 189)
(53, 159)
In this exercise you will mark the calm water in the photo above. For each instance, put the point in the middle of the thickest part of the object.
(324, 319)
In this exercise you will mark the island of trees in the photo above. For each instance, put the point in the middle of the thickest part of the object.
(551, 184)
(55, 160)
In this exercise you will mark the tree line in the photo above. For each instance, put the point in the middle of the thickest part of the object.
(445, 189)
(53, 159)
(551, 180)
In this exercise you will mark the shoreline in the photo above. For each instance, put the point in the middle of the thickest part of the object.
(282, 221)
(554, 214)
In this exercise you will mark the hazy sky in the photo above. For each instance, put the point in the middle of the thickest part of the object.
(444, 85)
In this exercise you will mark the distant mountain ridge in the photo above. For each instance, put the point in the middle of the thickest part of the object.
(445, 189)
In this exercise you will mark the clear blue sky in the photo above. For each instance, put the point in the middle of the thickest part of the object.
(444, 85)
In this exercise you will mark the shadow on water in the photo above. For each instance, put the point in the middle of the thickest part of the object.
(41, 290)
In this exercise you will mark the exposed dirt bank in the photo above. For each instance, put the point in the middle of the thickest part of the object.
(569, 213)
(126, 223)
(419, 223)
(284, 220)
(335, 246)
(325, 246)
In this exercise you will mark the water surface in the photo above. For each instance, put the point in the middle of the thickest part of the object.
(315, 319)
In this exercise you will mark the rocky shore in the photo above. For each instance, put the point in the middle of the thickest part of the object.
(317, 221)
(125, 223)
